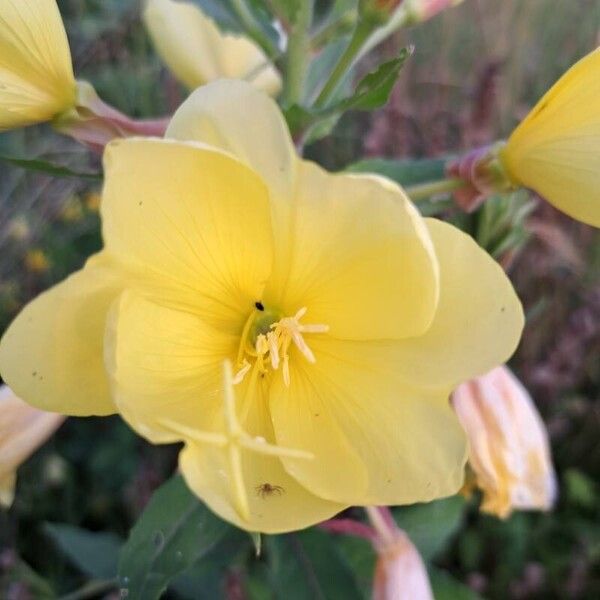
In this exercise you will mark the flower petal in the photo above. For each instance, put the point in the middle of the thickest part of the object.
(51, 355)
(165, 365)
(197, 52)
(408, 440)
(192, 217)
(478, 322)
(235, 117)
(36, 74)
(362, 260)
(556, 149)
(286, 507)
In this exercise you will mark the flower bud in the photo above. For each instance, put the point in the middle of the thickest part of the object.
(423, 10)
(378, 10)
(197, 52)
(36, 74)
(23, 429)
(400, 573)
(509, 448)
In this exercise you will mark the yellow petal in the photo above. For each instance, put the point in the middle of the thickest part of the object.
(408, 440)
(36, 75)
(235, 117)
(192, 217)
(23, 429)
(284, 506)
(478, 322)
(197, 52)
(360, 258)
(556, 149)
(165, 364)
(51, 355)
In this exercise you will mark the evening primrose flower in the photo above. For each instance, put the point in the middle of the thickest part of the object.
(555, 151)
(23, 429)
(36, 74)
(197, 52)
(509, 448)
(348, 318)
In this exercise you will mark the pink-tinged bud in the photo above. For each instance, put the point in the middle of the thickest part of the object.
(483, 174)
(94, 123)
(423, 10)
(400, 573)
(378, 10)
(509, 448)
(23, 429)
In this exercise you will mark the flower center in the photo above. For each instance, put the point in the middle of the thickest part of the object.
(266, 340)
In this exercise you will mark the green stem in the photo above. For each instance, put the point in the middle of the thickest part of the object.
(92, 589)
(249, 22)
(422, 191)
(353, 50)
(298, 52)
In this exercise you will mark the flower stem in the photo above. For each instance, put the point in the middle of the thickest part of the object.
(422, 191)
(298, 51)
(382, 521)
(353, 50)
(349, 527)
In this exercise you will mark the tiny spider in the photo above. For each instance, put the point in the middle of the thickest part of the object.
(266, 489)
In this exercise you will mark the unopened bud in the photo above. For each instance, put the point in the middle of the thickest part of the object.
(423, 10)
(23, 429)
(400, 573)
(509, 449)
(378, 10)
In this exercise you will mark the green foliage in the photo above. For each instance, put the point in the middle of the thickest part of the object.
(175, 531)
(94, 554)
(431, 526)
(303, 565)
(49, 168)
(372, 92)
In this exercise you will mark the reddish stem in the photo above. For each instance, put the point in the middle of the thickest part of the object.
(349, 527)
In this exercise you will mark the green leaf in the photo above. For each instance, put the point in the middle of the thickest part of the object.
(43, 166)
(445, 587)
(286, 9)
(94, 554)
(205, 579)
(374, 90)
(174, 532)
(404, 172)
(431, 526)
(409, 172)
(221, 13)
(308, 564)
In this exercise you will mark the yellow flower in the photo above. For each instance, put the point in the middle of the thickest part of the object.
(36, 74)
(348, 318)
(196, 51)
(509, 452)
(23, 429)
(556, 149)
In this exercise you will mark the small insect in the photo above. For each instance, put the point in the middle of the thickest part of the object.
(264, 490)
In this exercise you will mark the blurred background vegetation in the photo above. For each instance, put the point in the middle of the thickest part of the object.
(476, 70)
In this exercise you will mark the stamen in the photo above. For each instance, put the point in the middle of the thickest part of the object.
(239, 376)
(273, 346)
